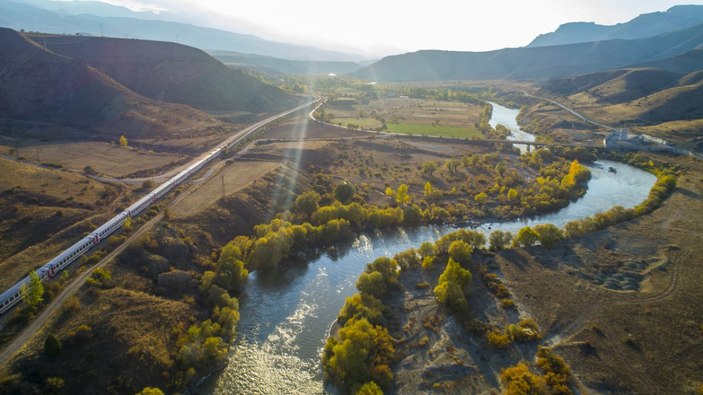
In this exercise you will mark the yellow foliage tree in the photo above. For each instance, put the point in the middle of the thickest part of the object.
(123, 141)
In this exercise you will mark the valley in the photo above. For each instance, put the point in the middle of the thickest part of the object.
(245, 215)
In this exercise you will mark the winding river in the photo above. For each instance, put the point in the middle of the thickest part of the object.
(285, 317)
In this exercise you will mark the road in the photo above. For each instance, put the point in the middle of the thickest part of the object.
(34, 327)
(570, 111)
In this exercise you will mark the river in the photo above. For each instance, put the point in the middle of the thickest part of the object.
(285, 317)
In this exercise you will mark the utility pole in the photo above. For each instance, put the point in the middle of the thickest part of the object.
(223, 186)
(101, 30)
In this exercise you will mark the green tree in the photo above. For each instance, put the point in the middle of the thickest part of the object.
(123, 141)
(453, 285)
(33, 293)
(525, 237)
(344, 191)
(52, 346)
(402, 196)
(306, 203)
(460, 251)
(428, 168)
(427, 249)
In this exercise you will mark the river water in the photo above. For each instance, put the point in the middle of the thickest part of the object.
(285, 317)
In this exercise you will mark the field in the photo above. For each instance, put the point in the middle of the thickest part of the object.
(43, 210)
(105, 158)
(405, 115)
(436, 130)
(232, 177)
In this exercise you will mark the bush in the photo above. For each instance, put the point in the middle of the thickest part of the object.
(344, 192)
(150, 391)
(556, 371)
(519, 379)
(52, 346)
(369, 388)
(498, 339)
(548, 234)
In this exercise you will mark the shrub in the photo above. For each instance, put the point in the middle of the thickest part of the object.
(369, 388)
(52, 346)
(150, 391)
(519, 379)
(498, 339)
(344, 191)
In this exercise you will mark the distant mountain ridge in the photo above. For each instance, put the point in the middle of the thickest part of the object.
(645, 25)
(538, 63)
(19, 15)
(285, 66)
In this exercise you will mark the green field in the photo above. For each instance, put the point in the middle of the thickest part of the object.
(439, 130)
(363, 123)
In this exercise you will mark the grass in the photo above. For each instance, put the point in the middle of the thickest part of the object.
(439, 130)
(364, 123)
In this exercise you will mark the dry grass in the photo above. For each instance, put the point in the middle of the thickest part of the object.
(105, 158)
(234, 177)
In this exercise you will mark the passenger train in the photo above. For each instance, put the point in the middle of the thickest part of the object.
(13, 295)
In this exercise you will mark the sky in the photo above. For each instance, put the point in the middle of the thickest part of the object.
(379, 27)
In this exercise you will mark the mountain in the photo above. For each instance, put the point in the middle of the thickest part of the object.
(645, 25)
(684, 63)
(37, 85)
(284, 66)
(171, 72)
(19, 16)
(537, 63)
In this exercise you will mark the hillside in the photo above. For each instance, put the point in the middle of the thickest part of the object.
(684, 63)
(18, 16)
(171, 72)
(40, 85)
(645, 25)
(285, 66)
(539, 63)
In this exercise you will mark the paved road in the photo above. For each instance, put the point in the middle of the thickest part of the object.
(36, 325)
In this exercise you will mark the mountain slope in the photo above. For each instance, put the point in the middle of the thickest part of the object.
(539, 63)
(171, 72)
(37, 85)
(23, 16)
(285, 66)
(645, 25)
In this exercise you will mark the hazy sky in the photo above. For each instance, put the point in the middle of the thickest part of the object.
(375, 26)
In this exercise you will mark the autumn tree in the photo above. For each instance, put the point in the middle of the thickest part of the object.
(518, 380)
(453, 285)
(525, 237)
(460, 251)
(306, 203)
(499, 240)
(123, 141)
(33, 293)
(427, 189)
(428, 168)
(369, 388)
(548, 234)
(402, 196)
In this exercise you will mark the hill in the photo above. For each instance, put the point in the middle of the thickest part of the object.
(538, 63)
(645, 25)
(18, 16)
(684, 63)
(284, 66)
(39, 85)
(171, 72)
